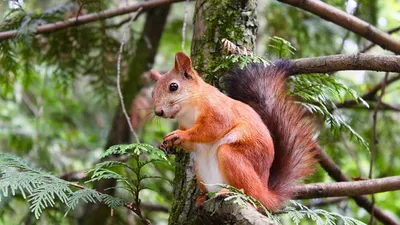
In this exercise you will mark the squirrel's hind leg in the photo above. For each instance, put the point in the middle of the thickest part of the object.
(237, 171)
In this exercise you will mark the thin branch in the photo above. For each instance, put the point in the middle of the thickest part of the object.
(121, 97)
(334, 171)
(347, 35)
(325, 64)
(352, 154)
(382, 107)
(74, 175)
(88, 18)
(350, 188)
(154, 207)
(375, 140)
(126, 205)
(371, 94)
(324, 202)
(369, 47)
(349, 22)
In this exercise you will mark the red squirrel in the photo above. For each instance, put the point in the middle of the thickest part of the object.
(257, 139)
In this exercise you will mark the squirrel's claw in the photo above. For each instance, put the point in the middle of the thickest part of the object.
(168, 149)
(172, 139)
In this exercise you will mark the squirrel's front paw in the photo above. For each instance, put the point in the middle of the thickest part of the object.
(174, 138)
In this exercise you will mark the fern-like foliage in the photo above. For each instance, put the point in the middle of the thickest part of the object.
(318, 92)
(129, 175)
(281, 47)
(43, 189)
(297, 213)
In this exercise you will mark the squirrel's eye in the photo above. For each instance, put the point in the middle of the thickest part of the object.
(173, 87)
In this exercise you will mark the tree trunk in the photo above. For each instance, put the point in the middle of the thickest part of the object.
(146, 49)
(214, 20)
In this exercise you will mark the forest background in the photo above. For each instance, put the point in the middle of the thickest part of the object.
(61, 94)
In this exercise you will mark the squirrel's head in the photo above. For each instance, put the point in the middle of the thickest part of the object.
(175, 91)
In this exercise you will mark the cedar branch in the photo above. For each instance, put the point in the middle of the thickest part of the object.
(347, 21)
(88, 18)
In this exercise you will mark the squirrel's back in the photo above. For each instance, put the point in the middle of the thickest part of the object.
(264, 89)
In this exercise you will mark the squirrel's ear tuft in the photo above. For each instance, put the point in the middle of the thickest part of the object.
(155, 74)
(183, 63)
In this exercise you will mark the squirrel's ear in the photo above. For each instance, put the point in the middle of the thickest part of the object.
(155, 75)
(183, 64)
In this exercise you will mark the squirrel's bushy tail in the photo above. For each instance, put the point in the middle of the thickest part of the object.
(264, 89)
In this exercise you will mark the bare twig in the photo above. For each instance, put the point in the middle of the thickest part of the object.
(155, 207)
(324, 202)
(371, 94)
(346, 36)
(88, 18)
(121, 97)
(352, 154)
(375, 141)
(126, 205)
(350, 22)
(382, 107)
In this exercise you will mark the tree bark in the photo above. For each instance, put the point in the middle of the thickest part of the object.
(97, 214)
(350, 188)
(333, 63)
(213, 21)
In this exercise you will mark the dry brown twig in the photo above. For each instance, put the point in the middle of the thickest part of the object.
(375, 140)
(121, 97)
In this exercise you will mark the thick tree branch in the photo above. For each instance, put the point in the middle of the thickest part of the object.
(349, 22)
(350, 188)
(334, 171)
(218, 211)
(52, 27)
(367, 48)
(326, 64)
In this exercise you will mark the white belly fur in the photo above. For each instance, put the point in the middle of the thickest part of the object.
(207, 162)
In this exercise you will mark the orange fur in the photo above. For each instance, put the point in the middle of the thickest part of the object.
(209, 122)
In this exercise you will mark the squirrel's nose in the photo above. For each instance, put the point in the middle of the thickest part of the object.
(159, 112)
